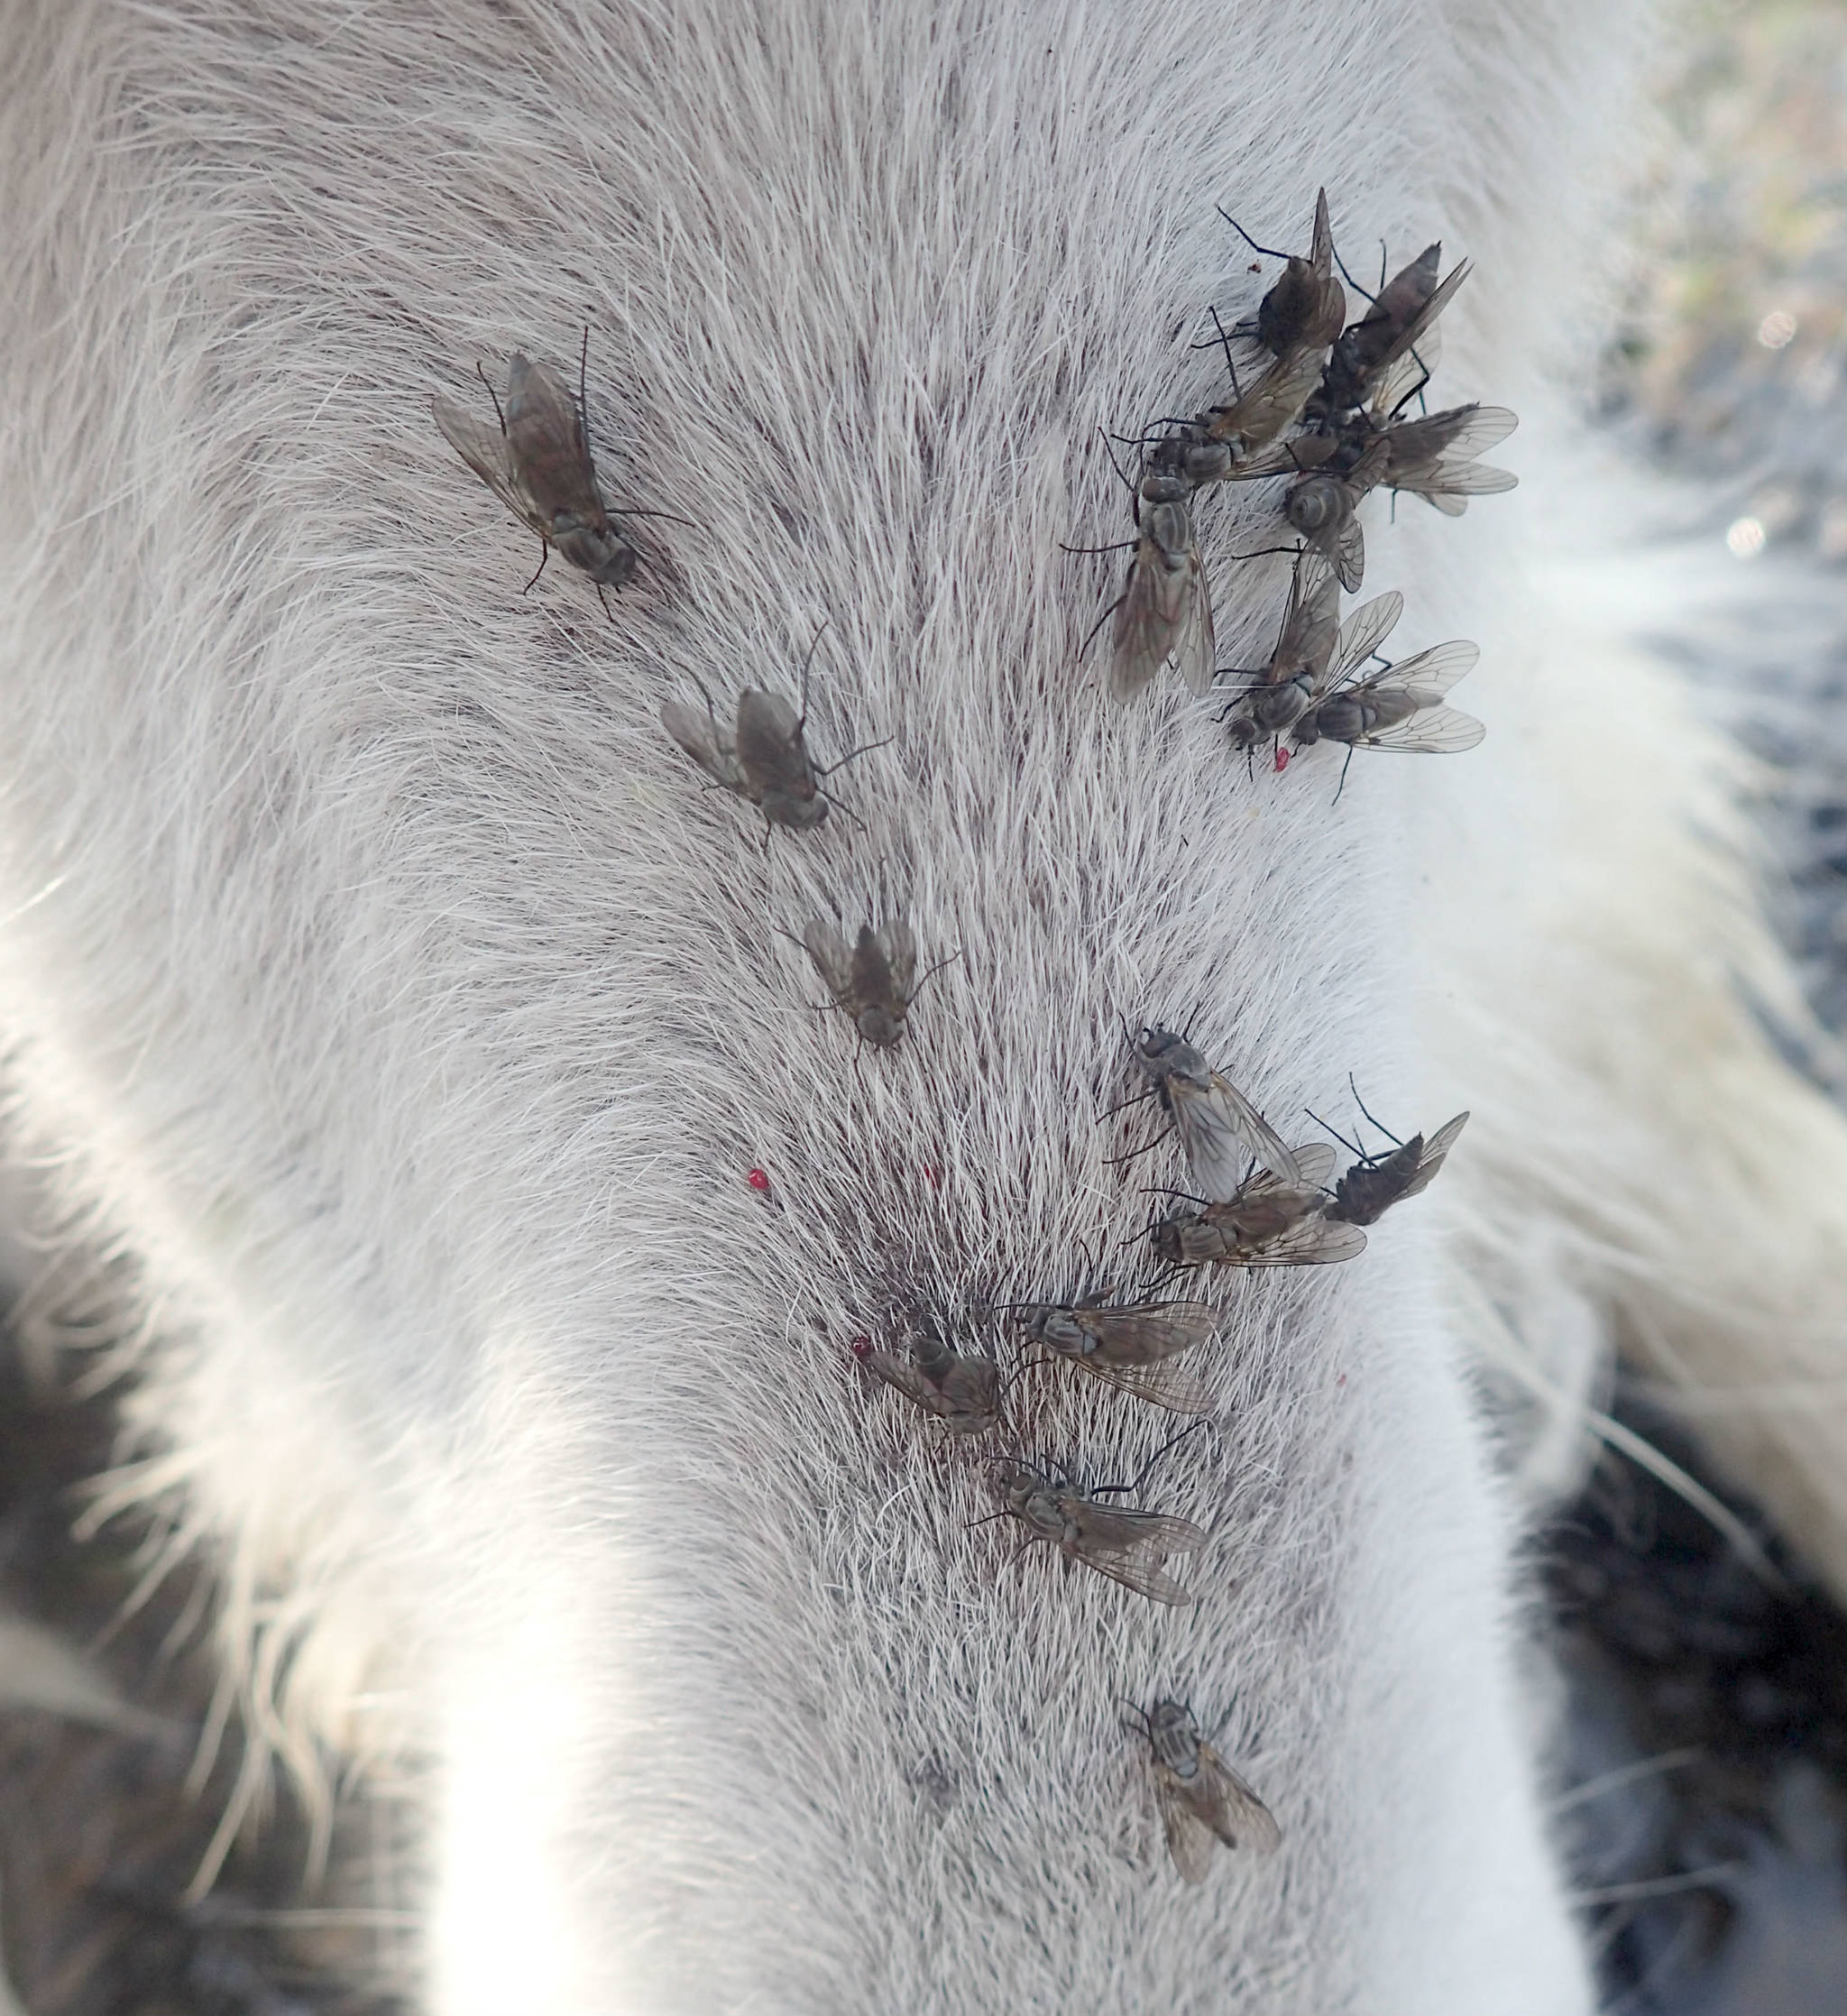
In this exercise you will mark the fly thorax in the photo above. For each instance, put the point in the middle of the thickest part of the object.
(594, 548)
(1316, 503)
(1169, 528)
(1064, 1334)
(879, 1026)
(791, 808)
(1280, 707)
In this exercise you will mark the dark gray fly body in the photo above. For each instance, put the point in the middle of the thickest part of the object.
(1124, 1544)
(1201, 1799)
(1401, 707)
(1165, 611)
(538, 462)
(1277, 694)
(875, 981)
(1433, 457)
(960, 1389)
(1268, 1222)
(1218, 1127)
(1128, 1345)
(1374, 1183)
(1296, 321)
(1307, 305)
(1400, 316)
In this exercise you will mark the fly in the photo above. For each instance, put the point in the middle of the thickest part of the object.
(538, 462)
(874, 983)
(1217, 1124)
(1128, 1345)
(1117, 1541)
(1200, 1797)
(959, 1388)
(1282, 690)
(1267, 1222)
(1401, 314)
(1166, 612)
(1375, 1182)
(766, 758)
(1401, 707)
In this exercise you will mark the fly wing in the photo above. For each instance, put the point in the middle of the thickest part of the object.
(704, 741)
(1146, 620)
(1219, 1128)
(897, 945)
(1435, 1149)
(1190, 1840)
(1312, 623)
(1435, 732)
(1145, 1333)
(1138, 1572)
(904, 1378)
(1408, 375)
(1315, 1160)
(1313, 1241)
(1230, 1808)
(1444, 484)
(1194, 645)
(770, 743)
(1410, 337)
(1124, 1530)
(1343, 541)
(1363, 632)
(831, 959)
(484, 449)
(546, 444)
(1171, 1386)
(1433, 672)
(1459, 434)
(971, 1393)
(1271, 404)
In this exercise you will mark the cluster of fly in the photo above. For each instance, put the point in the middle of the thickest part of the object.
(1331, 411)
(537, 461)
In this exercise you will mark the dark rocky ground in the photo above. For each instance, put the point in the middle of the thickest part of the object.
(1707, 1739)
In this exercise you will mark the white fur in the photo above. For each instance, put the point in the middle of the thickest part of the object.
(379, 982)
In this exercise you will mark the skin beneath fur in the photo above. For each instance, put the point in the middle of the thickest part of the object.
(378, 978)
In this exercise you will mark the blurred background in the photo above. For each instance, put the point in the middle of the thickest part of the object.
(1705, 1743)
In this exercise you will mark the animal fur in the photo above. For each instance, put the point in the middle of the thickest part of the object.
(377, 977)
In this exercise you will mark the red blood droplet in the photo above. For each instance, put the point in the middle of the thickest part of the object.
(759, 1179)
(935, 1176)
(1281, 757)
(861, 1348)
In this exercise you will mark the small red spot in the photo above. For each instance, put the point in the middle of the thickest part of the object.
(861, 1348)
(1281, 757)
(935, 1176)
(1341, 1381)
(759, 1179)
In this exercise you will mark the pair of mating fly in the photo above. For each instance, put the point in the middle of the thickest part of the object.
(1349, 389)
(1316, 686)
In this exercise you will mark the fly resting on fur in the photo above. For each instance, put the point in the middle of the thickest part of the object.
(1201, 1799)
(765, 760)
(1119, 1543)
(538, 462)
